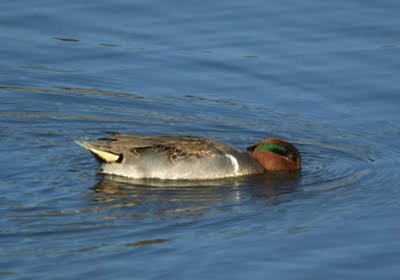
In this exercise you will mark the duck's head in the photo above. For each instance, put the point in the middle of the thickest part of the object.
(276, 155)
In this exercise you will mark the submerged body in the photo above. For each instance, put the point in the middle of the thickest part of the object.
(189, 158)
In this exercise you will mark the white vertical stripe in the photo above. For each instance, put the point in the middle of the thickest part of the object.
(234, 162)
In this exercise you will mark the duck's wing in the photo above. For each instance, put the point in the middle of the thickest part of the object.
(118, 145)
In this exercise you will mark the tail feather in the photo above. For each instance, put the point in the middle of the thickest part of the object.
(98, 153)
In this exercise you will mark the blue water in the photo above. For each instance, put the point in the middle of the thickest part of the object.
(322, 75)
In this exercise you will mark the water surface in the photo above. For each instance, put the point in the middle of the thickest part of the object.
(322, 75)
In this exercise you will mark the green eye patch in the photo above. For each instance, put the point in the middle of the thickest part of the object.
(273, 147)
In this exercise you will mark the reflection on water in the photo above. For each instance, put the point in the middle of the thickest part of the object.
(161, 197)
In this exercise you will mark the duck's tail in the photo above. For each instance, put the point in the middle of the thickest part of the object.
(98, 151)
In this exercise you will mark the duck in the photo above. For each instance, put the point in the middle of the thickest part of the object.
(189, 157)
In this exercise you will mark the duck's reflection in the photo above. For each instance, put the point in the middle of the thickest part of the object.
(191, 198)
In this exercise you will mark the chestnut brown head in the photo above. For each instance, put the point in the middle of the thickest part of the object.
(275, 154)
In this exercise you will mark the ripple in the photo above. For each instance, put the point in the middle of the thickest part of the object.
(144, 243)
(71, 90)
(328, 166)
(66, 39)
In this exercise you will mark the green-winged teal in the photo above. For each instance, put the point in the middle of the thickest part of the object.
(187, 157)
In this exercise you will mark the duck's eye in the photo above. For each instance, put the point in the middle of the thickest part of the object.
(292, 157)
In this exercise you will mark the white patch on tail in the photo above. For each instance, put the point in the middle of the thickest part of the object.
(234, 162)
(108, 157)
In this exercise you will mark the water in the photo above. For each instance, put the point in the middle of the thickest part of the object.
(323, 75)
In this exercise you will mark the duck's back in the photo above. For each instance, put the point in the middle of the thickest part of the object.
(170, 157)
